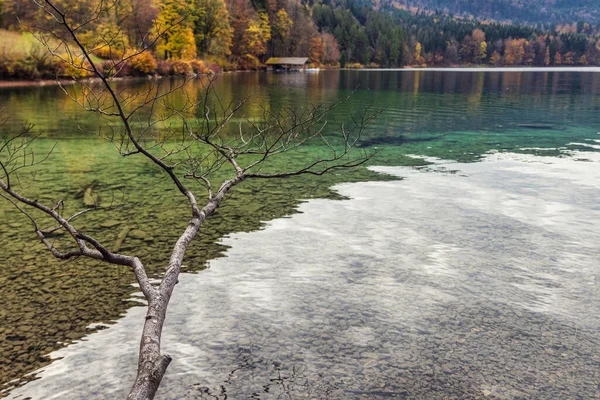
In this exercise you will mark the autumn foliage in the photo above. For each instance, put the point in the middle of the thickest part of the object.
(141, 63)
(177, 35)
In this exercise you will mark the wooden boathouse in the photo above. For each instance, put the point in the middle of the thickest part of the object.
(286, 63)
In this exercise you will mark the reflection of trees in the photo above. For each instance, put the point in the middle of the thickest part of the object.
(450, 81)
(511, 82)
(477, 85)
(416, 82)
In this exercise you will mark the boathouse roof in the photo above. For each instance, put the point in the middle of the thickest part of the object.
(287, 61)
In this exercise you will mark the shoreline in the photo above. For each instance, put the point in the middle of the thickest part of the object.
(28, 83)
(489, 69)
(52, 82)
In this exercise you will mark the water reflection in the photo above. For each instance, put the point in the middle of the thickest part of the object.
(465, 285)
(441, 96)
(455, 114)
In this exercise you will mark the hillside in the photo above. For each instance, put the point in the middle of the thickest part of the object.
(243, 34)
(515, 11)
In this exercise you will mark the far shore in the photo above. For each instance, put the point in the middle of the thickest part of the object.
(492, 69)
(50, 82)
(43, 82)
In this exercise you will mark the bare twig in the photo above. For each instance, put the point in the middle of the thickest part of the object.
(200, 151)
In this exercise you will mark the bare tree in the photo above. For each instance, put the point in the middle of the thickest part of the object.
(189, 156)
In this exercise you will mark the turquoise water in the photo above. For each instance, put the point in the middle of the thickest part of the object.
(523, 227)
(416, 102)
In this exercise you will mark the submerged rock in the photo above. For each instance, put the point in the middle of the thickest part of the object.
(90, 198)
(109, 223)
(141, 235)
(122, 236)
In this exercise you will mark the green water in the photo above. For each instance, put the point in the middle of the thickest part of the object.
(450, 115)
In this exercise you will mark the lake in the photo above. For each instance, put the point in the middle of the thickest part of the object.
(463, 263)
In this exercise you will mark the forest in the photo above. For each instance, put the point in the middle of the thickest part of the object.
(543, 12)
(198, 36)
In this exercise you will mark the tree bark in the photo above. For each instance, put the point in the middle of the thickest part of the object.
(152, 364)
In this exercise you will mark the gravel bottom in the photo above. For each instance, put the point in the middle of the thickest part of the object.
(462, 281)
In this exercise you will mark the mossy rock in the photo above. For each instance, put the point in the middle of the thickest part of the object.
(90, 198)
(141, 235)
(110, 223)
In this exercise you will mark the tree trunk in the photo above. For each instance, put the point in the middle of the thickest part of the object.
(152, 365)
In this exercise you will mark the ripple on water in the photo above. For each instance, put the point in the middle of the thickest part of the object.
(441, 285)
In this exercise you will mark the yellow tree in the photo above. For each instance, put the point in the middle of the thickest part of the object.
(107, 41)
(470, 50)
(256, 37)
(514, 51)
(480, 45)
(174, 25)
(281, 28)
(419, 60)
(482, 55)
